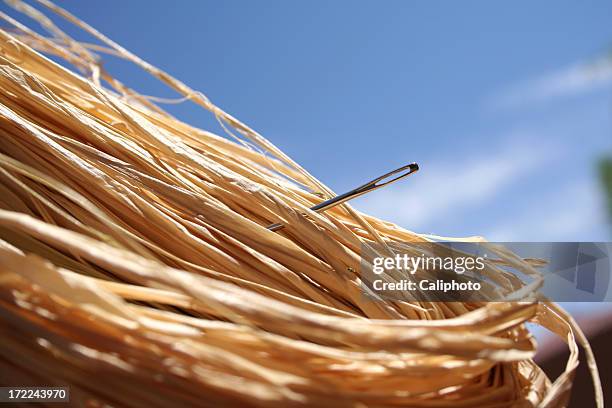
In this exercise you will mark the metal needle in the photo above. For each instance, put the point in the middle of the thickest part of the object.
(359, 191)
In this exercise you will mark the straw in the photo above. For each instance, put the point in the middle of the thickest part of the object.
(136, 266)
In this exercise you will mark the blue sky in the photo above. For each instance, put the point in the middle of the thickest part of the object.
(505, 105)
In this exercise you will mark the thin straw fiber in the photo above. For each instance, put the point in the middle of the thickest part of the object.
(136, 267)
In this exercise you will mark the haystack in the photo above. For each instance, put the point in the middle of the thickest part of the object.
(136, 266)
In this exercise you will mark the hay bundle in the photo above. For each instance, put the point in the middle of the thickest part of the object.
(136, 267)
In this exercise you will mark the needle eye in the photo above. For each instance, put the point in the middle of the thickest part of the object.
(375, 184)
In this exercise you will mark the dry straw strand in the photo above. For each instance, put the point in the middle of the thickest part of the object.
(136, 267)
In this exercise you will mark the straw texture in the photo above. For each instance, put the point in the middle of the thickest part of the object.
(135, 265)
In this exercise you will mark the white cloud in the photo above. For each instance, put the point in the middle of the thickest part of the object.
(446, 187)
(573, 213)
(456, 190)
(576, 79)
